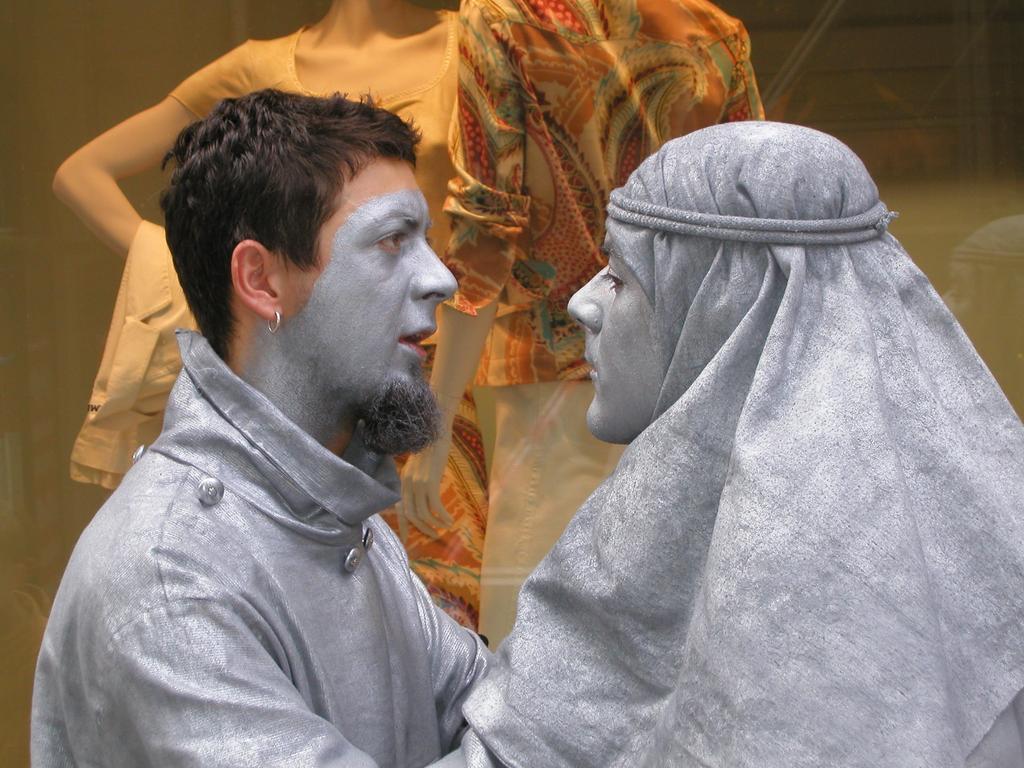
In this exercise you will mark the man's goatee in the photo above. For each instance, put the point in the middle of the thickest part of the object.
(403, 418)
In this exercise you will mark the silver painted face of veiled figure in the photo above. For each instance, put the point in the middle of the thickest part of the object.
(627, 373)
(358, 337)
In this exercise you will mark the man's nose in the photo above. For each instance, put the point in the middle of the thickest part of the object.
(584, 307)
(434, 281)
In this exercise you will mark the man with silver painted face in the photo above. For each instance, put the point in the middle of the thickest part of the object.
(812, 551)
(237, 600)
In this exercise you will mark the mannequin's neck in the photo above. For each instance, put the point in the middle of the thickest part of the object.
(353, 23)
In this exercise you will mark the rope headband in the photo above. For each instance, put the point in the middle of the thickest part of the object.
(852, 229)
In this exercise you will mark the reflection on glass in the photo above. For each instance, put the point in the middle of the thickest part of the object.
(927, 94)
(986, 293)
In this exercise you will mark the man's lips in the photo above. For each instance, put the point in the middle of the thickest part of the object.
(414, 341)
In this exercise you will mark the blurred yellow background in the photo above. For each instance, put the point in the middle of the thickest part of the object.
(930, 95)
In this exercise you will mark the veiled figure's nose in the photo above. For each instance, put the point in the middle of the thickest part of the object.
(585, 307)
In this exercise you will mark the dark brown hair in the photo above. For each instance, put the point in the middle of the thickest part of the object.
(268, 167)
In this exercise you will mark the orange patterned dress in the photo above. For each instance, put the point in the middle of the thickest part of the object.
(450, 565)
(559, 100)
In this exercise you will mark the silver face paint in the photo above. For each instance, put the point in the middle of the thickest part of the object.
(627, 373)
(362, 326)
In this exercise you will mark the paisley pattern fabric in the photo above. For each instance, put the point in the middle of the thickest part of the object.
(450, 565)
(559, 100)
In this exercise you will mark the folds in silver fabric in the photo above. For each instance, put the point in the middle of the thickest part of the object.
(815, 553)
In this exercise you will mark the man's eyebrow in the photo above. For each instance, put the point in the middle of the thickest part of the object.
(411, 220)
(398, 218)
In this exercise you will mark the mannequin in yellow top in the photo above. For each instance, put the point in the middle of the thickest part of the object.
(342, 52)
(332, 55)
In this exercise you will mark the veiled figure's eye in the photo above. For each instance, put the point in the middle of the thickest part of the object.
(613, 280)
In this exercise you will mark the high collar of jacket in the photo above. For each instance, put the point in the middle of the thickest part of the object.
(226, 428)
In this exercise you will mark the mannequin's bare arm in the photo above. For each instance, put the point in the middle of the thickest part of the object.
(87, 181)
(460, 341)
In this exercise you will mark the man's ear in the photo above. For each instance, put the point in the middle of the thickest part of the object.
(257, 276)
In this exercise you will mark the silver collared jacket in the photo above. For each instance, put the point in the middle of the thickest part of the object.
(238, 602)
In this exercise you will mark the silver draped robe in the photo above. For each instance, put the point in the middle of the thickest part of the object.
(814, 555)
(207, 617)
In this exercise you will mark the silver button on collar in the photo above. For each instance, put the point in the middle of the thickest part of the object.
(137, 453)
(210, 491)
(354, 558)
(368, 538)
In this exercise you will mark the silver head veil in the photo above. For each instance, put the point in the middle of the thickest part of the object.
(814, 555)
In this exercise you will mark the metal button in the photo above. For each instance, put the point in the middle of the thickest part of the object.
(368, 538)
(354, 558)
(137, 453)
(211, 491)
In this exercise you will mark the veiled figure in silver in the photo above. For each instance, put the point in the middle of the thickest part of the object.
(813, 553)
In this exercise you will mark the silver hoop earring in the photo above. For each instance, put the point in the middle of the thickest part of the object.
(274, 324)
